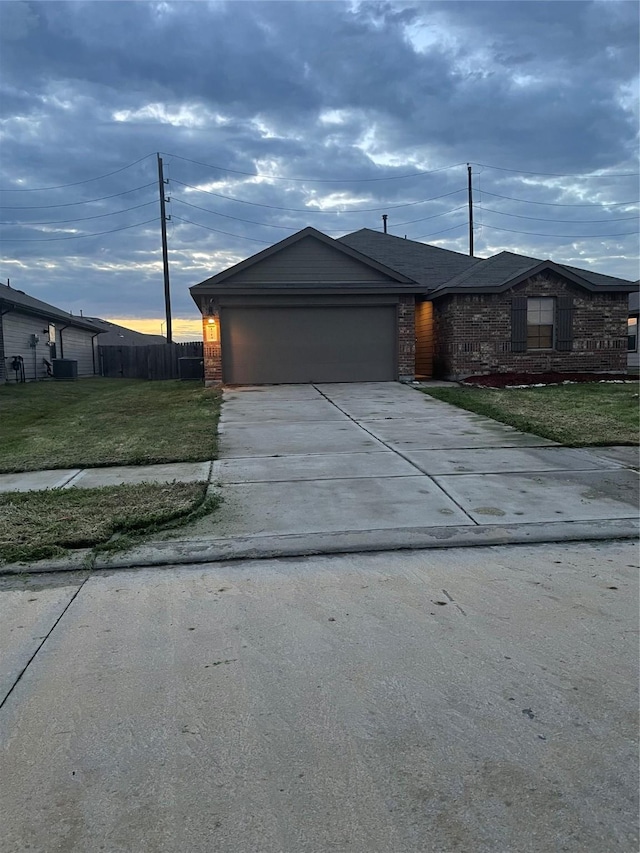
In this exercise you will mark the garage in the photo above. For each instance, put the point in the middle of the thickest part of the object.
(328, 343)
(308, 309)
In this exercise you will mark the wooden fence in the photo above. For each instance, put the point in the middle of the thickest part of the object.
(157, 361)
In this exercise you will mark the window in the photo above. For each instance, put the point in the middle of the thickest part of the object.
(540, 313)
(632, 334)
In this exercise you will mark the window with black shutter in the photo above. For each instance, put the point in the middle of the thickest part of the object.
(564, 321)
(540, 322)
(519, 324)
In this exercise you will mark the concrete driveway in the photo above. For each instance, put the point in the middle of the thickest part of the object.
(476, 700)
(375, 464)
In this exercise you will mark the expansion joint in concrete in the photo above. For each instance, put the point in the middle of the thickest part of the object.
(400, 454)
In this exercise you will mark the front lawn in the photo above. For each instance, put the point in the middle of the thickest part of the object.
(40, 525)
(98, 422)
(589, 413)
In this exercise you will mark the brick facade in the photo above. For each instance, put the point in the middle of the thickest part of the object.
(212, 351)
(407, 337)
(473, 332)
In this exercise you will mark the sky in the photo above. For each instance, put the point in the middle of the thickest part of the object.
(272, 116)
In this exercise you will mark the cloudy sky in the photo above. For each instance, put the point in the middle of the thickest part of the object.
(271, 116)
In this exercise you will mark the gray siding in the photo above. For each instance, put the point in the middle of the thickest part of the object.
(17, 329)
(3, 367)
(77, 344)
(308, 261)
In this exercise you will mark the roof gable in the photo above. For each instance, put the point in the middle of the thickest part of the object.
(308, 259)
(507, 269)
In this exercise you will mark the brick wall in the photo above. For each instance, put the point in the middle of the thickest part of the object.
(406, 337)
(473, 332)
(212, 351)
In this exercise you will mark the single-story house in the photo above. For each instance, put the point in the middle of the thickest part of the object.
(37, 333)
(633, 363)
(374, 307)
(115, 335)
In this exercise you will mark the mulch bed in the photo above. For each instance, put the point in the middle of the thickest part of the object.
(501, 380)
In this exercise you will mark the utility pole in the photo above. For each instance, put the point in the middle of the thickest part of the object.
(384, 222)
(470, 212)
(165, 252)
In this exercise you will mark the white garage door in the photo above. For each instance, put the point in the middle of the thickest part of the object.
(319, 344)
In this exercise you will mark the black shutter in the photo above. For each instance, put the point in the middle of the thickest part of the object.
(519, 324)
(564, 324)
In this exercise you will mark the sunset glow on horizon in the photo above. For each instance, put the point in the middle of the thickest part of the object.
(184, 329)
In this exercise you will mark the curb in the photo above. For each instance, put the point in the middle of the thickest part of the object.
(262, 547)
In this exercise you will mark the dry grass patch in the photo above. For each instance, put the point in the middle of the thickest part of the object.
(39, 525)
(575, 415)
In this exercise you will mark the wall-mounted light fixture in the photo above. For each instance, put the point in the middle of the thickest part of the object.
(212, 332)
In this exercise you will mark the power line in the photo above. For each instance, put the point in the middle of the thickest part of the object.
(236, 218)
(76, 183)
(74, 236)
(603, 204)
(435, 233)
(216, 231)
(424, 218)
(288, 228)
(83, 219)
(310, 210)
(317, 180)
(568, 221)
(76, 203)
(569, 236)
(556, 175)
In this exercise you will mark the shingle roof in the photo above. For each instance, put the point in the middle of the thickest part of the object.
(428, 265)
(441, 269)
(494, 271)
(204, 287)
(121, 336)
(19, 299)
(596, 278)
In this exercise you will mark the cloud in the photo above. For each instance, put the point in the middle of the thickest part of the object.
(358, 96)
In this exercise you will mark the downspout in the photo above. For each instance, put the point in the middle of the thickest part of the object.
(93, 351)
(61, 330)
(3, 365)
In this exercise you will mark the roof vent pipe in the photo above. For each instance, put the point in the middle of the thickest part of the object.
(384, 222)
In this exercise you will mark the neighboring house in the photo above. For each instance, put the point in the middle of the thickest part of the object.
(39, 332)
(119, 336)
(373, 307)
(633, 363)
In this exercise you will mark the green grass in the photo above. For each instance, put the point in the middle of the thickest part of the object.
(41, 525)
(98, 422)
(575, 415)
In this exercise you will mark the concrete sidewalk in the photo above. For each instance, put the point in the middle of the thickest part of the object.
(90, 478)
(307, 469)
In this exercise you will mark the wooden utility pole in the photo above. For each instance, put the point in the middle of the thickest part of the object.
(470, 212)
(165, 252)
